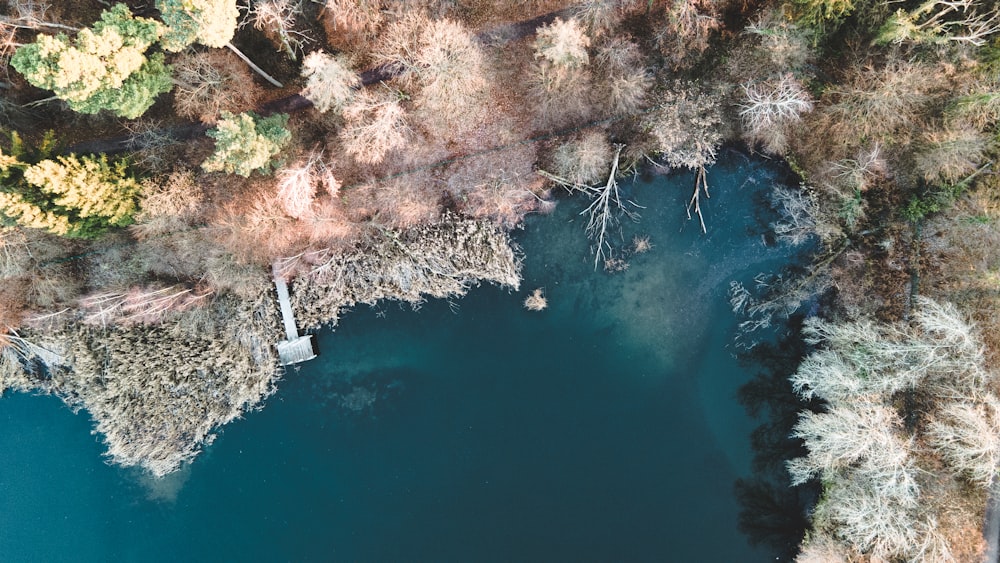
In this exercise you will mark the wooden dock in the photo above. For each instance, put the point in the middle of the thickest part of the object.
(294, 348)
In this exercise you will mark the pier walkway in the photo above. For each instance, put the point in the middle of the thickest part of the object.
(294, 348)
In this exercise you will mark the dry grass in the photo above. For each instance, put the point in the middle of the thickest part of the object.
(536, 301)
(199, 372)
(438, 260)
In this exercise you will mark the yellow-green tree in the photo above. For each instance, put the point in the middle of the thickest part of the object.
(104, 67)
(209, 22)
(69, 195)
(246, 142)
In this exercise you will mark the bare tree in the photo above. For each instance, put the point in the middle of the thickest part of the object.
(600, 16)
(168, 204)
(376, 124)
(941, 353)
(351, 23)
(276, 18)
(687, 130)
(621, 79)
(561, 77)
(563, 46)
(951, 155)
(943, 21)
(26, 15)
(819, 547)
(877, 102)
(867, 521)
(297, 184)
(770, 108)
(438, 58)
(687, 30)
(799, 212)
(968, 437)
(872, 480)
(845, 435)
(330, 82)
(786, 45)
(139, 305)
(859, 173)
(583, 161)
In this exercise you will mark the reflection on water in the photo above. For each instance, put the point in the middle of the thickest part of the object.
(773, 513)
(605, 427)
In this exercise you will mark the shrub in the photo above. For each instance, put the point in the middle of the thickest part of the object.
(210, 83)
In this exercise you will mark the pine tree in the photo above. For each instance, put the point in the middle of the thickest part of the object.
(209, 22)
(70, 196)
(246, 142)
(104, 67)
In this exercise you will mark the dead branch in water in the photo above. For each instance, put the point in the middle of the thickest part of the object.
(700, 185)
(604, 211)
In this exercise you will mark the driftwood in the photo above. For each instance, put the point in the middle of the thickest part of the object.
(700, 185)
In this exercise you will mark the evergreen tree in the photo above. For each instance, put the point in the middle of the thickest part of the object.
(209, 22)
(69, 195)
(104, 67)
(246, 142)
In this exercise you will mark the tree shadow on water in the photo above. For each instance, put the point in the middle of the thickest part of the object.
(772, 512)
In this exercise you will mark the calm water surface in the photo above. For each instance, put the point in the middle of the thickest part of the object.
(605, 428)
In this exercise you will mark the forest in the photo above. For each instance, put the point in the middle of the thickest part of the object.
(159, 160)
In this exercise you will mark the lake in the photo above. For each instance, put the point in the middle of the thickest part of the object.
(604, 428)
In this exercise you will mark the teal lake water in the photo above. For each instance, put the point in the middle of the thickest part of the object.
(605, 428)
